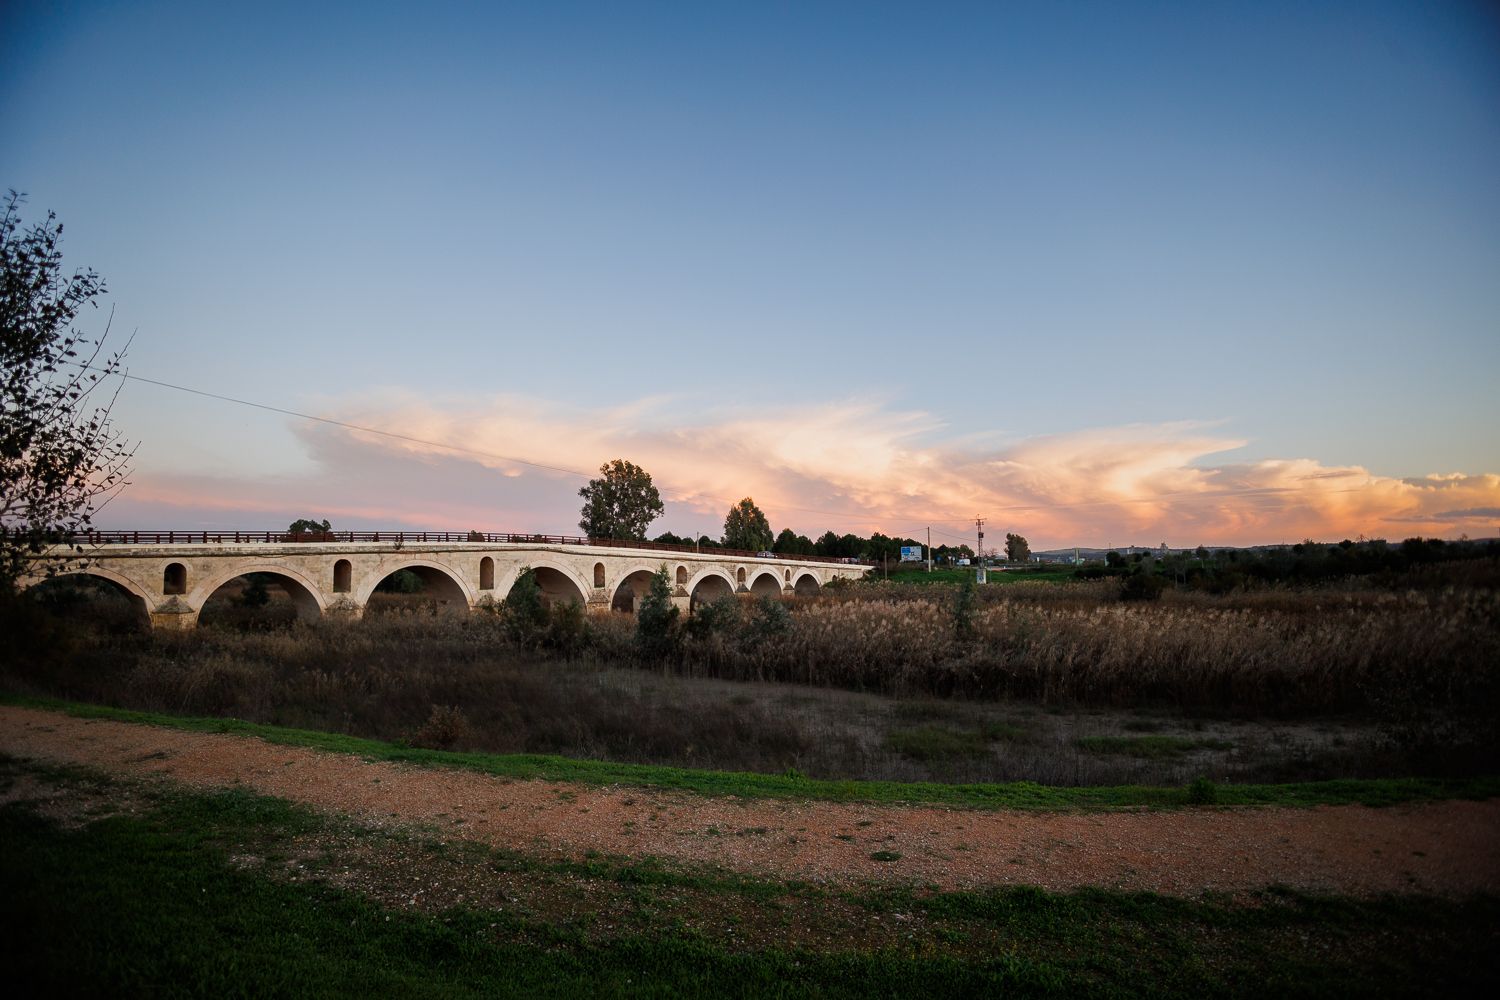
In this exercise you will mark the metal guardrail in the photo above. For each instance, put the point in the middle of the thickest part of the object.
(412, 537)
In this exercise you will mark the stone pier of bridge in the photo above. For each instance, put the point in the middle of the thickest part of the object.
(170, 583)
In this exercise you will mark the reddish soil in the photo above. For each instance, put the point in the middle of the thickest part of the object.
(1443, 848)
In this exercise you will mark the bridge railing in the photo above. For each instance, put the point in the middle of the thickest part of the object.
(411, 537)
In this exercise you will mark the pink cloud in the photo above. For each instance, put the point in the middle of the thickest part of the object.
(849, 466)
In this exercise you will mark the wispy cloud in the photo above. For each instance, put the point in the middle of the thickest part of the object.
(848, 465)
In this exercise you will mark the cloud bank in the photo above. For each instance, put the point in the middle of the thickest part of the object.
(850, 466)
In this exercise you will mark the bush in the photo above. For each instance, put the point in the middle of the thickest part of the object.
(566, 631)
(1142, 586)
(770, 620)
(446, 727)
(656, 620)
(524, 613)
(403, 581)
(1202, 792)
(255, 595)
(963, 610)
(718, 617)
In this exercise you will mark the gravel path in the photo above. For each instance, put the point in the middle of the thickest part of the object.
(1445, 848)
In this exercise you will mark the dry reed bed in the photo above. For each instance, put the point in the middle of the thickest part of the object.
(1286, 654)
(1235, 660)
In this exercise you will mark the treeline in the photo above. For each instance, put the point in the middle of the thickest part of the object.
(1223, 570)
(831, 545)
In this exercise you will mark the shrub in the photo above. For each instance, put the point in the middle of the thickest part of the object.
(656, 620)
(963, 610)
(255, 595)
(1142, 586)
(445, 727)
(1202, 792)
(523, 611)
(566, 631)
(718, 617)
(770, 620)
(403, 581)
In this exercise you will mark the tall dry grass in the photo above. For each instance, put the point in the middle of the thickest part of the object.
(1424, 663)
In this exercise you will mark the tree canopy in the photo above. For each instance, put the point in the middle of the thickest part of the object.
(746, 527)
(1017, 549)
(621, 503)
(60, 456)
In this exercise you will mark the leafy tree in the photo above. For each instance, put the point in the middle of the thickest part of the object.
(60, 457)
(621, 503)
(656, 619)
(884, 549)
(1017, 549)
(791, 543)
(745, 527)
(307, 526)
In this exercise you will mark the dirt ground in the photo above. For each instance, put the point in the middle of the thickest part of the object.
(1447, 848)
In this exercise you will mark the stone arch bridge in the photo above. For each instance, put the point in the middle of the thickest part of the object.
(171, 575)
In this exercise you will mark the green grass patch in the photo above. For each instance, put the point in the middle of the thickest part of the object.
(1155, 747)
(938, 743)
(1022, 795)
(930, 743)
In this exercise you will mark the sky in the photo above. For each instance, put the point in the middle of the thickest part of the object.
(1101, 273)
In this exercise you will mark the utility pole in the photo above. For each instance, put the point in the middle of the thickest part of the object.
(929, 548)
(980, 574)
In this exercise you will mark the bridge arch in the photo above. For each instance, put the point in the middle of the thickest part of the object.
(558, 581)
(630, 587)
(307, 597)
(709, 585)
(765, 583)
(442, 582)
(140, 600)
(807, 584)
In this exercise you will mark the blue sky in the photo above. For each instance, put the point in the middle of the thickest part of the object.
(1009, 235)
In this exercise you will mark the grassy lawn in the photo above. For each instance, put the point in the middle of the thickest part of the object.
(1016, 795)
(231, 894)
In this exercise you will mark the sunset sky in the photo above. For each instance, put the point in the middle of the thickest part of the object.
(1102, 273)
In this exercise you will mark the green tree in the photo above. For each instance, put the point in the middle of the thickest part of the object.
(307, 526)
(745, 527)
(621, 503)
(827, 545)
(1017, 549)
(656, 619)
(791, 543)
(60, 456)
